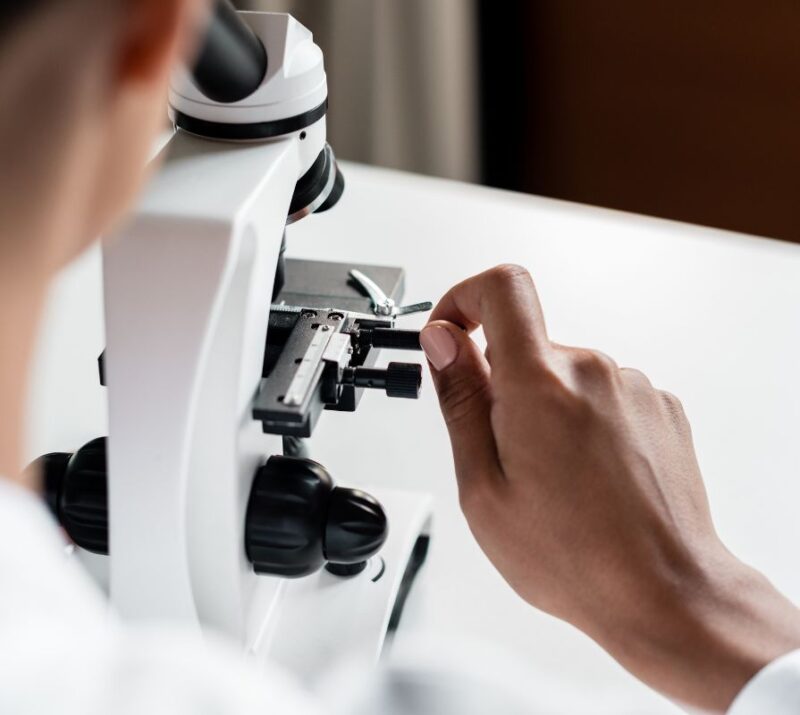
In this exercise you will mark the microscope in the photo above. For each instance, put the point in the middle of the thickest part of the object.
(201, 506)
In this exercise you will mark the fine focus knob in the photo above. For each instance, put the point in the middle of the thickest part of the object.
(356, 526)
(76, 492)
(297, 520)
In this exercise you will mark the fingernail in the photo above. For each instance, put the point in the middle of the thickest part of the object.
(439, 345)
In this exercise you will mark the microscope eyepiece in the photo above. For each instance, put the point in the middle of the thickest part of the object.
(232, 62)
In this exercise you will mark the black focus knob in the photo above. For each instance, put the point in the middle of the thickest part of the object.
(297, 520)
(286, 513)
(51, 468)
(356, 526)
(76, 491)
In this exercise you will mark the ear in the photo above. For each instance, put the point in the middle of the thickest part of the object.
(155, 33)
(148, 41)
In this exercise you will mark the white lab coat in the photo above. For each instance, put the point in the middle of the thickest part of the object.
(63, 653)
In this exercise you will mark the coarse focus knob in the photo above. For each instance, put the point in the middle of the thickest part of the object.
(286, 514)
(51, 468)
(76, 491)
(297, 520)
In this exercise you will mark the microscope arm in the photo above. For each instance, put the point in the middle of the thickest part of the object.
(221, 356)
(188, 283)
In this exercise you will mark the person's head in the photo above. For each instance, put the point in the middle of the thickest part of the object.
(82, 97)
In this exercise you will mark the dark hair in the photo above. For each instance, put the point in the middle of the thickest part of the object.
(15, 10)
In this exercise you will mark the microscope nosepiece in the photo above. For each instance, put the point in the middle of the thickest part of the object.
(336, 192)
(319, 189)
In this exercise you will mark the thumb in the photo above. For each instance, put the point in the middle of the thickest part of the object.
(461, 375)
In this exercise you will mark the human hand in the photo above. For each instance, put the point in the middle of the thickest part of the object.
(580, 483)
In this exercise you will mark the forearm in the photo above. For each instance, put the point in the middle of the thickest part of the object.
(707, 633)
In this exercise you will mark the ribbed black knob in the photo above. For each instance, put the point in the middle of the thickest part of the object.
(297, 520)
(286, 514)
(403, 379)
(76, 492)
(52, 467)
(84, 497)
(356, 528)
(399, 379)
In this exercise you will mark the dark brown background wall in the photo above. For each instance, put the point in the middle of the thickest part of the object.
(676, 108)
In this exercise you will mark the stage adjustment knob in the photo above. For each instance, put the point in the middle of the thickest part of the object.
(76, 492)
(399, 379)
(391, 338)
(403, 379)
(297, 520)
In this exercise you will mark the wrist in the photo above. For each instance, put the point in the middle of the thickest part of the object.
(706, 629)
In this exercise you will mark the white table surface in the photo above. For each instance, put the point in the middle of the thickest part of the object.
(712, 316)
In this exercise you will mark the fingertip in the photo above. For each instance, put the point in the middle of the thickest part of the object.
(439, 344)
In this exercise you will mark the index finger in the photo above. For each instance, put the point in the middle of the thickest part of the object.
(504, 301)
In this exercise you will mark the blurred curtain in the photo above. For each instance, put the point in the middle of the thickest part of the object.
(403, 80)
(675, 108)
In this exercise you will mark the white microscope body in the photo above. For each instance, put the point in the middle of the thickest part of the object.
(189, 289)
